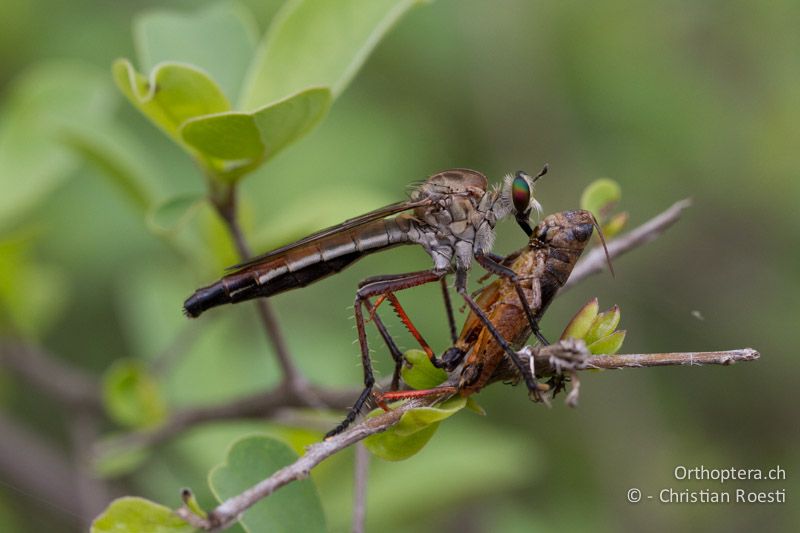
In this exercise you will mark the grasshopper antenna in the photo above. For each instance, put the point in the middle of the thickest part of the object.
(605, 248)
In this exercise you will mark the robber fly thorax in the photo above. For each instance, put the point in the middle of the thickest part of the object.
(463, 218)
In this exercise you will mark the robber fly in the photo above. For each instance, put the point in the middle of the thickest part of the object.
(451, 215)
(543, 267)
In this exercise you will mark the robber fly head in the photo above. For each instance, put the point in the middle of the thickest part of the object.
(517, 196)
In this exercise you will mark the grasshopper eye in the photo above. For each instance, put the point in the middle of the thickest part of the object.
(521, 192)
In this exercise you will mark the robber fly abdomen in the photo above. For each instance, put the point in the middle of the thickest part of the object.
(303, 265)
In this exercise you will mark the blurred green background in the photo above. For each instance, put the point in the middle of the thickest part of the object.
(676, 99)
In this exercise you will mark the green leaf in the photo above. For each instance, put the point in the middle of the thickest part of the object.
(219, 38)
(283, 122)
(474, 406)
(579, 325)
(231, 136)
(421, 374)
(114, 160)
(44, 102)
(614, 225)
(600, 196)
(192, 504)
(295, 507)
(466, 463)
(391, 446)
(317, 44)
(32, 295)
(603, 325)
(248, 139)
(173, 94)
(608, 345)
(170, 216)
(132, 396)
(413, 431)
(137, 515)
(112, 460)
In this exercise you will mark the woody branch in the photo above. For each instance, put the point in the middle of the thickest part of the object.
(225, 514)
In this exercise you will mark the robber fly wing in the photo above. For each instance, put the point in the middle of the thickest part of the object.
(347, 225)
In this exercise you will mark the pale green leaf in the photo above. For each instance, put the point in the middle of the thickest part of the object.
(317, 44)
(579, 325)
(42, 103)
(609, 344)
(138, 515)
(170, 216)
(193, 505)
(295, 507)
(132, 396)
(420, 373)
(614, 225)
(114, 160)
(232, 136)
(112, 460)
(283, 122)
(600, 196)
(413, 431)
(32, 295)
(474, 406)
(391, 446)
(220, 38)
(247, 139)
(173, 94)
(604, 324)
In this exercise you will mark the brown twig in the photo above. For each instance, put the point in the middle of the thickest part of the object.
(229, 511)
(595, 260)
(360, 488)
(256, 406)
(32, 467)
(638, 360)
(93, 492)
(64, 383)
(227, 208)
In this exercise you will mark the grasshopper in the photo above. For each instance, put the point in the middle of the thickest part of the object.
(542, 268)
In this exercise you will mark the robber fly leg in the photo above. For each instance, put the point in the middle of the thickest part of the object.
(397, 355)
(445, 295)
(369, 288)
(451, 320)
(369, 377)
(418, 393)
(496, 267)
(403, 316)
(530, 381)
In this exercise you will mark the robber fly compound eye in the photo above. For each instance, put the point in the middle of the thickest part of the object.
(521, 192)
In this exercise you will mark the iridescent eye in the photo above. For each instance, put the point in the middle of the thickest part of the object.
(521, 193)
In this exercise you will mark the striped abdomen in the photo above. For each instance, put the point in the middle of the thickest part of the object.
(300, 266)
